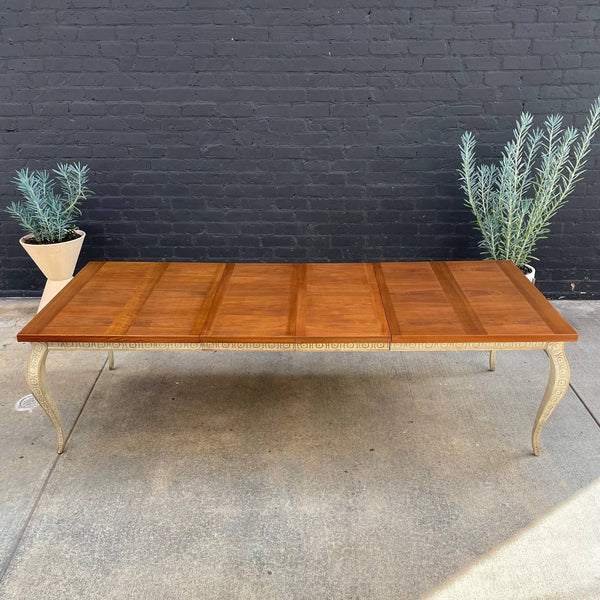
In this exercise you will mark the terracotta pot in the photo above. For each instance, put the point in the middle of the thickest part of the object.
(529, 272)
(56, 261)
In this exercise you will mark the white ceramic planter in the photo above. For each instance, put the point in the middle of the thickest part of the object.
(56, 261)
(530, 274)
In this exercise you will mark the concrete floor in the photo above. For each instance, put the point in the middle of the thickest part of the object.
(301, 476)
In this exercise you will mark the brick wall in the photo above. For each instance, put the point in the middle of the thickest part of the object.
(290, 130)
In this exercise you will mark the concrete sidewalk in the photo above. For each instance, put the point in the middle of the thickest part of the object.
(301, 476)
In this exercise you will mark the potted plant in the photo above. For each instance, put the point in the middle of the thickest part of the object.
(514, 201)
(52, 240)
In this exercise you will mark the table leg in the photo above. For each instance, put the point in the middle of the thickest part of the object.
(36, 380)
(558, 383)
(111, 360)
(492, 360)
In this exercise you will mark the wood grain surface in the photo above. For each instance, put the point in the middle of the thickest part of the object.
(349, 303)
(467, 301)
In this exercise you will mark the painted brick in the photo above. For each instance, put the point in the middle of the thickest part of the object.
(269, 131)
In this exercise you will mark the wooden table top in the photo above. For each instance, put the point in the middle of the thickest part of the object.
(403, 302)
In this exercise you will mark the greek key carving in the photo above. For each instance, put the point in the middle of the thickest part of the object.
(464, 346)
(124, 346)
(36, 380)
(343, 347)
(242, 347)
(558, 384)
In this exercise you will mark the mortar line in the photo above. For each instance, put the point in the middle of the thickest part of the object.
(585, 405)
(15, 547)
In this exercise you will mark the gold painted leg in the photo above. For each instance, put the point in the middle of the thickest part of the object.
(492, 360)
(558, 383)
(36, 380)
(111, 360)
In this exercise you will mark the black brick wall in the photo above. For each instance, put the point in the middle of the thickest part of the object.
(295, 130)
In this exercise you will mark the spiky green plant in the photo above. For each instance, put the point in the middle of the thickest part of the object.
(514, 201)
(49, 216)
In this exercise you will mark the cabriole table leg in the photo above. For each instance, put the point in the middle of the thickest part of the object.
(111, 360)
(492, 360)
(36, 380)
(558, 383)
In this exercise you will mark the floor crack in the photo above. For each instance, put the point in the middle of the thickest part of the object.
(585, 405)
(12, 552)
